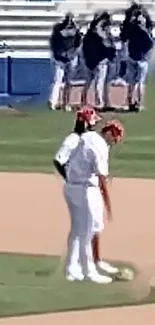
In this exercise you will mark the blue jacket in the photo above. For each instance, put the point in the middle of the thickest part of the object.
(64, 42)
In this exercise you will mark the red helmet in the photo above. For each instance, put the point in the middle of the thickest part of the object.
(88, 115)
(116, 129)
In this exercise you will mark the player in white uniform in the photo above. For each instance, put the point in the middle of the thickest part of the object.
(87, 173)
(86, 118)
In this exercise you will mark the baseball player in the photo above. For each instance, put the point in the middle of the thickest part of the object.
(85, 120)
(64, 43)
(86, 194)
(97, 49)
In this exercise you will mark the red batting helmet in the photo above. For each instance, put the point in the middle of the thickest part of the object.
(88, 115)
(116, 129)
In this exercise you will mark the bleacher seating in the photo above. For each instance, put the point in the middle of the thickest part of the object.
(26, 25)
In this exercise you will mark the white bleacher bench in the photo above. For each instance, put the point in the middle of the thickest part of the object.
(24, 33)
(27, 4)
(37, 12)
(29, 54)
(18, 24)
(23, 53)
(28, 44)
(75, 83)
(31, 13)
(27, 25)
(40, 34)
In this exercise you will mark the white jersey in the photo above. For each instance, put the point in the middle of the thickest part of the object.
(69, 144)
(89, 160)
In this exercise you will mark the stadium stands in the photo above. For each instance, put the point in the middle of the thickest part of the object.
(26, 25)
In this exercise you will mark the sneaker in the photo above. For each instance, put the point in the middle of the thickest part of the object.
(50, 107)
(74, 277)
(119, 82)
(107, 267)
(134, 108)
(139, 107)
(74, 273)
(99, 107)
(98, 278)
(68, 108)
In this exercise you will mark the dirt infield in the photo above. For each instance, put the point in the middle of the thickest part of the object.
(34, 217)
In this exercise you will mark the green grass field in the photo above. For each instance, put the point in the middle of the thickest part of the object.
(34, 284)
(30, 284)
(28, 144)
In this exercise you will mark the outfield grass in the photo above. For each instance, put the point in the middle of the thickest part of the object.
(30, 284)
(35, 284)
(28, 144)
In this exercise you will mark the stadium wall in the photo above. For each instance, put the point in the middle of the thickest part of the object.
(22, 77)
(27, 76)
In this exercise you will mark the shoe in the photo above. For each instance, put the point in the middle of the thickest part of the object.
(97, 278)
(99, 107)
(74, 273)
(68, 108)
(50, 107)
(134, 108)
(119, 83)
(74, 277)
(138, 107)
(107, 267)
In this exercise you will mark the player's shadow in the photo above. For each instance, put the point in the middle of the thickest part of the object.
(119, 110)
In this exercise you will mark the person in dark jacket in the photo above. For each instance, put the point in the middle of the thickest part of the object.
(128, 17)
(97, 49)
(64, 43)
(136, 34)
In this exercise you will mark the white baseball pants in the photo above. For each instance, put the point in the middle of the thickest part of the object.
(85, 205)
(100, 77)
(136, 77)
(61, 72)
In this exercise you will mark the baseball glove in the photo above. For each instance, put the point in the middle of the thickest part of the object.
(124, 274)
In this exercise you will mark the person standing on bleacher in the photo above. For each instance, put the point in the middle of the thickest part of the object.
(98, 49)
(136, 35)
(64, 43)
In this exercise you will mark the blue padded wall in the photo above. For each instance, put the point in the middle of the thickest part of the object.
(3, 75)
(30, 76)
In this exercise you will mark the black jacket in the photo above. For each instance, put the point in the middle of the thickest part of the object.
(140, 43)
(125, 26)
(64, 42)
(96, 49)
